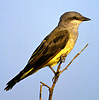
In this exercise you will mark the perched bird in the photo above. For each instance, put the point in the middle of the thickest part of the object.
(58, 43)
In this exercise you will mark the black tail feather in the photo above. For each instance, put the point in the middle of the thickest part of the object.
(12, 82)
(10, 85)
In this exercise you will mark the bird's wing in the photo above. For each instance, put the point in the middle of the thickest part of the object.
(47, 50)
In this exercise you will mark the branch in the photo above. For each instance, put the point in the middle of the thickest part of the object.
(58, 72)
(45, 85)
(52, 69)
(73, 59)
(40, 91)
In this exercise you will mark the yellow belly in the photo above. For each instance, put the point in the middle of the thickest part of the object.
(69, 46)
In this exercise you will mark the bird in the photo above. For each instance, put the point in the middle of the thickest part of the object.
(55, 45)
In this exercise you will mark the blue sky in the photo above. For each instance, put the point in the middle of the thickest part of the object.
(24, 24)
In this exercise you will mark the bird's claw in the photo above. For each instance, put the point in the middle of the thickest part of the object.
(62, 57)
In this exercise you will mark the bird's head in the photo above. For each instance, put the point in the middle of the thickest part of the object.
(72, 18)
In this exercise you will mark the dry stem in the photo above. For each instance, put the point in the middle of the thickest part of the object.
(57, 74)
(40, 91)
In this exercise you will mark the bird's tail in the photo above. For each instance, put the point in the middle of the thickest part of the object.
(27, 71)
(12, 82)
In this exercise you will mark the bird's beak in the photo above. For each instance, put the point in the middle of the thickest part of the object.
(85, 19)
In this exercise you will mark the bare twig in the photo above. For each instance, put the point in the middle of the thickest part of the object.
(52, 69)
(40, 91)
(58, 68)
(58, 72)
(55, 80)
(73, 59)
(45, 85)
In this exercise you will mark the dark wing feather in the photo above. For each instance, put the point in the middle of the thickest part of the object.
(47, 50)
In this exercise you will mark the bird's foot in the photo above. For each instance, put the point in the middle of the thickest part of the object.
(62, 57)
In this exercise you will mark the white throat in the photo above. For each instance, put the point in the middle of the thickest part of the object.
(75, 23)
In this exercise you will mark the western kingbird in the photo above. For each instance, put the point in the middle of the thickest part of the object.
(59, 42)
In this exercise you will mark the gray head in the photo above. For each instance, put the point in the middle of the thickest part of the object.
(72, 18)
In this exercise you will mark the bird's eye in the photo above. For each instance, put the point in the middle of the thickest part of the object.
(74, 17)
